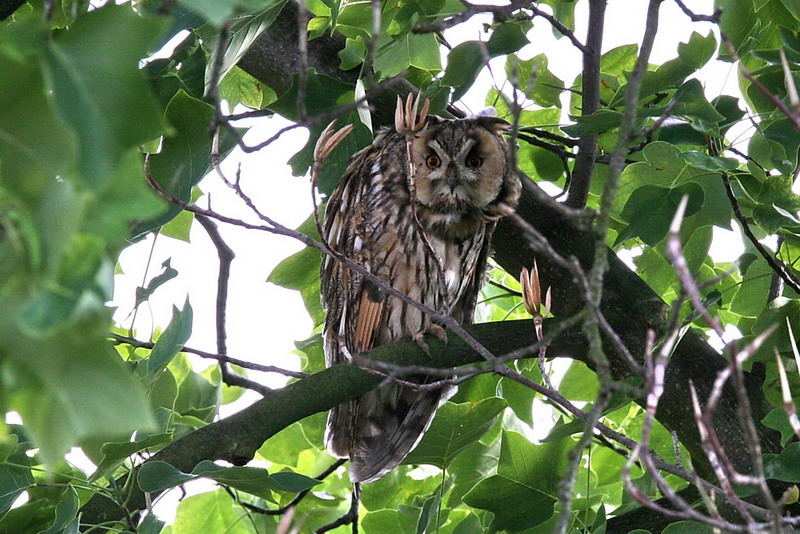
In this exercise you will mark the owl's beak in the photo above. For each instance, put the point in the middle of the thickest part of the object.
(452, 179)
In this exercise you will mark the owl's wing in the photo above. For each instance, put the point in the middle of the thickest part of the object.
(353, 312)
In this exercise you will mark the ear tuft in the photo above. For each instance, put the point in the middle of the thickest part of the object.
(495, 125)
(433, 120)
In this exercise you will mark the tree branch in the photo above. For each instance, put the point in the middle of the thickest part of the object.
(236, 438)
(590, 101)
(777, 265)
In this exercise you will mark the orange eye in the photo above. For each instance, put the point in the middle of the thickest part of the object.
(474, 162)
(433, 161)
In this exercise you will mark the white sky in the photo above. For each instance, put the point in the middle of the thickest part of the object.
(264, 320)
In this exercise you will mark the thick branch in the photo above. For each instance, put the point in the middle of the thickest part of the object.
(590, 100)
(236, 438)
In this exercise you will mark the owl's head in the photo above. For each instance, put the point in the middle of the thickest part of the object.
(462, 167)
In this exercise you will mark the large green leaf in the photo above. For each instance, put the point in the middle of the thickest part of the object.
(65, 521)
(14, 479)
(210, 512)
(454, 428)
(663, 166)
(389, 522)
(650, 209)
(508, 499)
(464, 62)
(411, 50)
(185, 155)
(536, 80)
(97, 85)
(537, 466)
(35, 144)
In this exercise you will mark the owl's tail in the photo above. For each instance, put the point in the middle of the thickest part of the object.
(380, 428)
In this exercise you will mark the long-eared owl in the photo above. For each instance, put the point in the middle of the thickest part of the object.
(433, 251)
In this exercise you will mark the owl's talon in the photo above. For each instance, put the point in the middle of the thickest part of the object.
(419, 339)
(439, 332)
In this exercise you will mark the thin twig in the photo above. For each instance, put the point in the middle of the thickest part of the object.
(118, 339)
(226, 256)
(777, 265)
(695, 17)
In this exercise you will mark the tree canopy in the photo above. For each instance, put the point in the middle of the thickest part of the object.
(102, 144)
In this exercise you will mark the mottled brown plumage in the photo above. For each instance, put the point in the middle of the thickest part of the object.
(462, 184)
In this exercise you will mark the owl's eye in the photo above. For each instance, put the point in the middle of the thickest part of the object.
(474, 162)
(433, 161)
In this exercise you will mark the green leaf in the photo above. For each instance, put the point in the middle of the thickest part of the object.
(238, 87)
(536, 80)
(173, 338)
(650, 209)
(124, 200)
(454, 428)
(777, 419)
(211, 512)
(663, 166)
(218, 11)
(52, 373)
(693, 106)
(247, 479)
(155, 476)
(737, 20)
(464, 62)
(35, 144)
(751, 298)
(508, 37)
(244, 31)
(411, 50)
(14, 479)
(704, 161)
(389, 522)
(469, 525)
(687, 527)
(65, 521)
(537, 466)
(598, 122)
(180, 226)
(167, 273)
(285, 447)
(185, 156)
(691, 56)
(579, 383)
(505, 498)
(97, 86)
(150, 525)
(292, 482)
(519, 398)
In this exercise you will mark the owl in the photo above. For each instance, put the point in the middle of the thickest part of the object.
(427, 235)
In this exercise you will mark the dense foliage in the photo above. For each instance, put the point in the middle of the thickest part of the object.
(100, 146)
